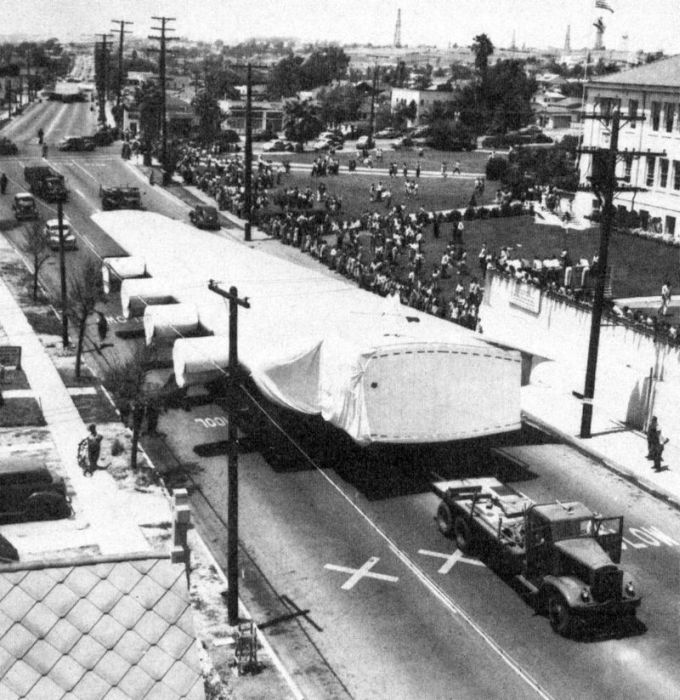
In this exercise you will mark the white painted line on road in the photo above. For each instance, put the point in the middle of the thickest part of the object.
(362, 572)
(89, 174)
(451, 559)
(440, 594)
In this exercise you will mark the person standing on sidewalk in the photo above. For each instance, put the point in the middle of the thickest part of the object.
(3, 183)
(666, 295)
(94, 446)
(655, 443)
(102, 329)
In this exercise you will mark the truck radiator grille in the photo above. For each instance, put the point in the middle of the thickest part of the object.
(607, 584)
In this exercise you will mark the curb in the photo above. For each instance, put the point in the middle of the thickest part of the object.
(667, 497)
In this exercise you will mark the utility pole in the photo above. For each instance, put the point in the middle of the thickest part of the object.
(371, 120)
(62, 275)
(104, 75)
(232, 450)
(119, 96)
(605, 184)
(248, 163)
(163, 39)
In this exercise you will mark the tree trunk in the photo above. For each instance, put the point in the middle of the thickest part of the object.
(79, 350)
(35, 283)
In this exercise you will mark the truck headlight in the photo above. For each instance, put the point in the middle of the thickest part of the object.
(585, 595)
(630, 589)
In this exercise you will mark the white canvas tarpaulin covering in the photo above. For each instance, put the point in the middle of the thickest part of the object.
(115, 270)
(166, 322)
(137, 294)
(316, 344)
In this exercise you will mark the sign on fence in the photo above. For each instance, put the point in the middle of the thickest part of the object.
(10, 356)
(526, 296)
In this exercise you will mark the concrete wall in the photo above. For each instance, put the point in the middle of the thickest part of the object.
(560, 332)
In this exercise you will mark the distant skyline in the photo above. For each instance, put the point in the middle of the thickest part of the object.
(651, 26)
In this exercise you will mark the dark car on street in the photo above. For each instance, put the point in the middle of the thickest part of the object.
(29, 491)
(7, 147)
(204, 216)
(77, 143)
(120, 198)
(24, 206)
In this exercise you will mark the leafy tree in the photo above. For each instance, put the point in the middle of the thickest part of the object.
(38, 249)
(422, 81)
(209, 116)
(448, 135)
(460, 71)
(285, 78)
(324, 66)
(301, 121)
(150, 111)
(404, 113)
(84, 292)
(339, 104)
(482, 49)
(544, 166)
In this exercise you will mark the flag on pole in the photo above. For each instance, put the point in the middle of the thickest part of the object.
(604, 5)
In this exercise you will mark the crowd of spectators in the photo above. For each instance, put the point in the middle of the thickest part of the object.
(385, 254)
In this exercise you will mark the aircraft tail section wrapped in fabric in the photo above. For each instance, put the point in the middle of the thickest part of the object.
(317, 344)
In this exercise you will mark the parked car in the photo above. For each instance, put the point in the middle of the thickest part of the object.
(24, 206)
(264, 135)
(403, 142)
(120, 198)
(51, 231)
(29, 491)
(77, 143)
(388, 133)
(365, 142)
(278, 145)
(103, 137)
(7, 147)
(325, 144)
(204, 216)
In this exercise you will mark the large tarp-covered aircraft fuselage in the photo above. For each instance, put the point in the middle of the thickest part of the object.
(316, 344)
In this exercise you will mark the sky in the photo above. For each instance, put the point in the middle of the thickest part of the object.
(649, 25)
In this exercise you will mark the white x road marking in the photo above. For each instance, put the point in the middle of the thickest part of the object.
(358, 574)
(451, 559)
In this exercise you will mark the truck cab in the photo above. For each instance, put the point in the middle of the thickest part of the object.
(24, 206)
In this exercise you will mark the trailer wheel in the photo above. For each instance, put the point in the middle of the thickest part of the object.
(461, 529)
(559, 613)
(444, 519)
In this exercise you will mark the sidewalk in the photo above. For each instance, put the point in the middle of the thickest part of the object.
(617, 447)
(97, 504)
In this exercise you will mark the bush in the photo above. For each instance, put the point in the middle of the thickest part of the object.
(496, 168)
(455, 215)
(117, 448)
(516, 209)
(470, 214)
(483, 213)
(495, 212)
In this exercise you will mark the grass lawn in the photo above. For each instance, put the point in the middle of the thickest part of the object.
(433, 193)
(470, 161)
(20, 412)
(639, 265)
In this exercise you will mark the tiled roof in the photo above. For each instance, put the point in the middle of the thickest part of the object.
(97, 631)
(664, 73)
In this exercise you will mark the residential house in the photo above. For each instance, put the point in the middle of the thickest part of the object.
(423, 99)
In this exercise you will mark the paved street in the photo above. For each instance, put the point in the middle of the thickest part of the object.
(394, 610)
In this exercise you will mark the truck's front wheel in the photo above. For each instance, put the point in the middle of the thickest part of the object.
(559, 613)
(461, 528)
(444, 519)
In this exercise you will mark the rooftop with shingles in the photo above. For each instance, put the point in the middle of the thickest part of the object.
(97, 631)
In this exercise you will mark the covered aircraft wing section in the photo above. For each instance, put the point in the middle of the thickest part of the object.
(316, 344)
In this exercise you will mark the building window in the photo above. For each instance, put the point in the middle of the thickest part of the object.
(670, 225)
(676, 175)
(656, 115)
(669, 116)
(651, 162)
(627, 167)
(632, 112)
(663, 172)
